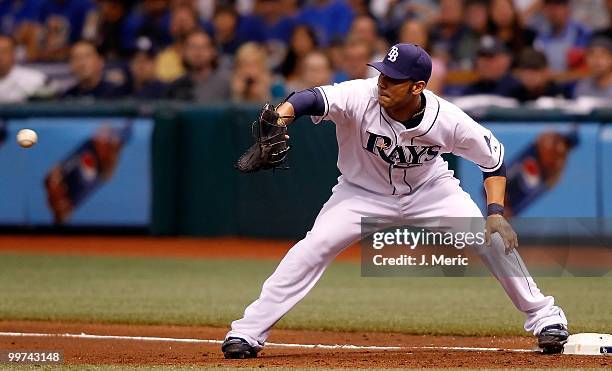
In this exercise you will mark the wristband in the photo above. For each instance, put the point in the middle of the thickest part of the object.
(495, 209)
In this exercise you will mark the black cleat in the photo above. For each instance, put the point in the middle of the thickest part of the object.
(237, 348)
(552, 338)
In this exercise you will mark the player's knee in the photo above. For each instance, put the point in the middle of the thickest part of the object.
(320, 248)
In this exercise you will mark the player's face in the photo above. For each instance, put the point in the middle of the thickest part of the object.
(392, 93)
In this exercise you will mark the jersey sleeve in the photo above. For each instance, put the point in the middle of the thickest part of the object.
(343, 100)
(476, 143)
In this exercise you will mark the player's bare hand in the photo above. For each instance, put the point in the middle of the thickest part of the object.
(497, 223)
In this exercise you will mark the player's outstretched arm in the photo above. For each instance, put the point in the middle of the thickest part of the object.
(495, 186)
(477, 144)
(306, 102)
(286, 112)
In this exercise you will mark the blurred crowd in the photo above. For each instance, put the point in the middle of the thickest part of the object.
(208, 51)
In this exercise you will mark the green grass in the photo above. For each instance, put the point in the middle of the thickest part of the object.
(215, 292)
(183, 368)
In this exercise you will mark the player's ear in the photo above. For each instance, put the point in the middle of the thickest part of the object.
(417, 87)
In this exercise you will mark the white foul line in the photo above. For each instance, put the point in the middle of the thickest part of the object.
(279, 345)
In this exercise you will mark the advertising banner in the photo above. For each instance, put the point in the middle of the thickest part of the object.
(552, 170)
(605, 189)
(82, 172)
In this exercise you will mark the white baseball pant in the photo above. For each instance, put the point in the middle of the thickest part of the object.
(338, 226)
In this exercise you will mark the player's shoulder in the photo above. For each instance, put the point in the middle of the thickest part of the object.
(448, 110)
(358, 88)
(445, 106)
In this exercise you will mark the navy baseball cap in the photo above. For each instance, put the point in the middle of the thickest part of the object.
(405, 62)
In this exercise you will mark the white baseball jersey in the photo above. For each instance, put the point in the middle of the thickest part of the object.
(383, 164)
(383, 156)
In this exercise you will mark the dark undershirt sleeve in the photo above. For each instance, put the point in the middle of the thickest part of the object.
(307, 102)
(499, 172)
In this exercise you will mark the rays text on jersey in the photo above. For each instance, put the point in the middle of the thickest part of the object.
(406, 156)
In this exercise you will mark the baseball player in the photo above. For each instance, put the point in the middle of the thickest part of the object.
(391, 132)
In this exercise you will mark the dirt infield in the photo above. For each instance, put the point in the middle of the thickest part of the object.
(243, 248)
(210, 248)
(140, 352)
(414, 350)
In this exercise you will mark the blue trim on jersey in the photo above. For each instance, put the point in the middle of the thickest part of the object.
(431, 126)
(326, 111)
(307, 102)
(380, 118)
(498, 164)
(405, 181)
(499, 172)
(396, 143)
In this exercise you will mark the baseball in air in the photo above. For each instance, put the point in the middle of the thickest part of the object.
(27, 138)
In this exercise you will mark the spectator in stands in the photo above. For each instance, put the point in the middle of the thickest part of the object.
(20, 18)
(449, 32)
(507, 27)
(87, 66)
(13, 13)
(144, 84)
(477, 17)
(599, 60)
(476, 26)
(392, 14)
(360, 7)
(151, 20)
(607, 29)
(561, 39)
(203, 81)
(303, 41)
(414, 31)
(225, 24)
(357, 55)
(316, 71)
(535, 77)
(169, 64)
(108, 31)
(17, 83)
(364, 28)
(252, 79)
(276, 22)
(329, 18)
(232, 29)
(493, 68)
(593, 13)
(335, 52)
(191, 4)
(63, 23)
(530, 12)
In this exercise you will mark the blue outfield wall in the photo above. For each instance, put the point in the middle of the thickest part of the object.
(175, 172)
(576, 192)
(578, 196)
(605, 185)
(605, 161)
(122, 200)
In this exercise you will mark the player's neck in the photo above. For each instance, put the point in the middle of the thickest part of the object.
(406, 110)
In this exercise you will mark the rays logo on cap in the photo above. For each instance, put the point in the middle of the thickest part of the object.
(405, 62)
(393, 53)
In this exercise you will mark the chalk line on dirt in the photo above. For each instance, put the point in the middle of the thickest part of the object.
(278, 345)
